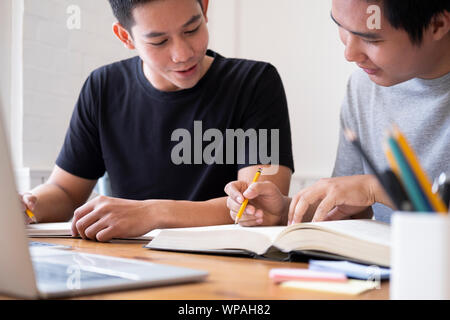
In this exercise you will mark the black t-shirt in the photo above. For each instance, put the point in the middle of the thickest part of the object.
(123, 125)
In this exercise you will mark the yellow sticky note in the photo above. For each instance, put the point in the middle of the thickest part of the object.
(351, 287)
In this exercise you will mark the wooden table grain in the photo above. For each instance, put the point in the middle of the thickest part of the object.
(230, 278)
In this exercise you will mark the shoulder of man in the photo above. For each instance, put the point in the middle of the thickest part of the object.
(113, 70)
(246, 68)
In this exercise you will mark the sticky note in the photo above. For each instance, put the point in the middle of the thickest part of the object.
(351, 287)
(285, 274)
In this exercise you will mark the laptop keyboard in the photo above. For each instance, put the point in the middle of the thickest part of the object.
(57, 273)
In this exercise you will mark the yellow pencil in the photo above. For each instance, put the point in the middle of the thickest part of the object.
(244, 204)
(434, 199)
(30, 215)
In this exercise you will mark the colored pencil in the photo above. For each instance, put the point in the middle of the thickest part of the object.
(244, 204)
(435, 200)
(411, 185)
(30, 215)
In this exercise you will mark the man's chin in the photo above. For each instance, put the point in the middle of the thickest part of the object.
(173, 85)
(185, 85)
(385, 81)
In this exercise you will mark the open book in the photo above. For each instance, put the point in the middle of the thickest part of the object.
(364, 241)
(63, 230)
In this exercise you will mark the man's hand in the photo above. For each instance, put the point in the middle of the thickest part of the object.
(266, 206)
(28, 201)
(335, 199)
(104, 218)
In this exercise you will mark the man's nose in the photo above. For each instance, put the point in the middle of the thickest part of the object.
(181, 51)
(353, 52)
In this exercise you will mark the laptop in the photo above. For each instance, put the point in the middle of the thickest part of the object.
(35, 272)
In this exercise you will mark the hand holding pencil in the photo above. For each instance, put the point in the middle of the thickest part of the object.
(245, 202)
(266, 204)
(28, 202)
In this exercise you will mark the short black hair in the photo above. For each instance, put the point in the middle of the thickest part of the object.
(413, 16)
(123, 11)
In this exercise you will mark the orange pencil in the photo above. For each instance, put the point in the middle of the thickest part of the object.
(424, 182)
(30, 215)
(244, 204)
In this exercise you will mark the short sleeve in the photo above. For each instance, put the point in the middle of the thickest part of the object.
(348, 160)
(268, 115)
(81, 153)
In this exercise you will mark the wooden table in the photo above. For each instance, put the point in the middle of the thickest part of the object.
(230, 278)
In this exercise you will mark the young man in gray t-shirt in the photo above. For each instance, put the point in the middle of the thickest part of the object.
(404, 78)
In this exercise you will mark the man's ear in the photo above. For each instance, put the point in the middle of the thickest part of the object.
(205, 4)
(123, 35)
(440, 25)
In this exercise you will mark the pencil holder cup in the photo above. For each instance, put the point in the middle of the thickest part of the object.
(420, 256)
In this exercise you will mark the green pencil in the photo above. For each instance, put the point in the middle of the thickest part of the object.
(412, 188)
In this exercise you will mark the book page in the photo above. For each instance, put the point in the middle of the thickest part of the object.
(362, 240)
(253, 239)
(363, 229)
(64, 229)
(271, 232)
(49, 229)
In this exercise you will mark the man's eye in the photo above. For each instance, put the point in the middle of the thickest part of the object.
(369, 41)
(193, 31)
(158, 43)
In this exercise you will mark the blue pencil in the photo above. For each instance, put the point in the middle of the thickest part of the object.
(416, 195)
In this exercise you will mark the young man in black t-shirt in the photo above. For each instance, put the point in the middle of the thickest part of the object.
(151, 123)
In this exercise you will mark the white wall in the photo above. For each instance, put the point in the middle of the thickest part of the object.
(11, 14)
(297, 36)
(57, 61)
(224, 26)
(5, 61)
(300, 39)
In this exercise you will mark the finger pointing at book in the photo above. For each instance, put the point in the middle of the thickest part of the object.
(336, 198)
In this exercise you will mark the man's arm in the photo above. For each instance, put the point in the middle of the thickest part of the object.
(282, 178)
(181, 214)
(215, 211)
(104, 218)
(57, 199)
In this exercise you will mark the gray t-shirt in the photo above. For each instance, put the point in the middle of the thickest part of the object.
(420, 108)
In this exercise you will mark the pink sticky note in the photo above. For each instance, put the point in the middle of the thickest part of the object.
(285, 274)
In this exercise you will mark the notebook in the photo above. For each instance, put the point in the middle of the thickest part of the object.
(63, 230)
(46, 272)
(365, 241)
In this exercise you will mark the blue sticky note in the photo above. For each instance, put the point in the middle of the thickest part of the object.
(351, 269)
